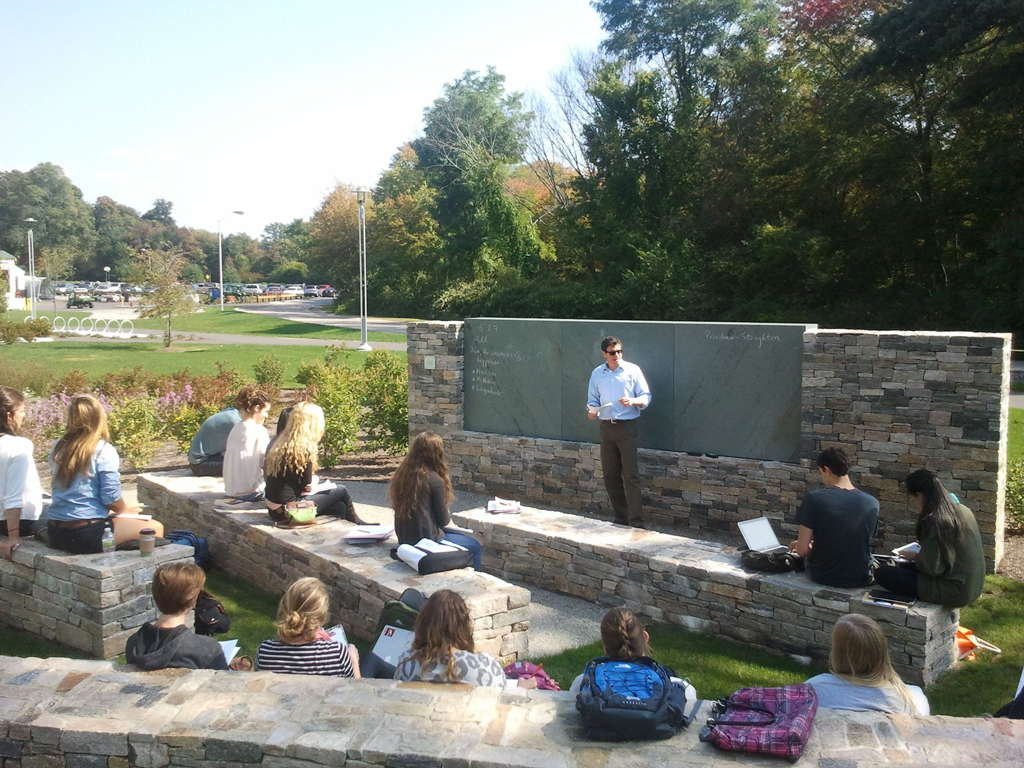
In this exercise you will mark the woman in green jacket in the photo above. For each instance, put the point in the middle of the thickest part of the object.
(950, 568)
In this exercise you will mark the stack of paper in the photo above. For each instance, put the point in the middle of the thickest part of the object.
(411, 555)
(367, 534)
(230, 649)
(504, 505)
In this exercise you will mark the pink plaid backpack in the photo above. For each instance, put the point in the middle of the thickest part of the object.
(766, 721)
(528, 669)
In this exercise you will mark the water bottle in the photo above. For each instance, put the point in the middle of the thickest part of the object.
(108, 540)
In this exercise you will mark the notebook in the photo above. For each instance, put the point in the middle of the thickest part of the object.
(760, 537)
(392, 643)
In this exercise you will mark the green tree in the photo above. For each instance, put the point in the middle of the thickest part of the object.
(171, 299)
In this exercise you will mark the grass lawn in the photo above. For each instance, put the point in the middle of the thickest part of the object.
(95, 359)
(212, 320)
(1015, 448)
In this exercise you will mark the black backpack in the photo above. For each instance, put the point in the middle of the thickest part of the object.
(771, 562)
(211, 618)
(630, 700)
(198, 543)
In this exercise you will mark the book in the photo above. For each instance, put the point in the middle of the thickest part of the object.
(497, 505)
(368, 534)
(319, 486)
(885, 599)
(230, 649)
(337, 633)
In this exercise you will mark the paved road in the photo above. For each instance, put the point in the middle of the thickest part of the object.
(312, 311)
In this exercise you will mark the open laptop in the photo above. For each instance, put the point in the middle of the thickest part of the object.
(760, 537)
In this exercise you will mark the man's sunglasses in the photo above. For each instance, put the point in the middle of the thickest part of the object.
(614, 352)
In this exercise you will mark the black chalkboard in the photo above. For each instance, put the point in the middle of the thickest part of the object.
(717, 388)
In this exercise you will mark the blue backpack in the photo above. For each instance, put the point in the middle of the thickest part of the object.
(198, 543)
(630, 700)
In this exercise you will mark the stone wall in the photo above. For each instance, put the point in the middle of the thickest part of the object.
(90, 602)
(894, 401)
(59, 713)
(360, 578)
(701, 585)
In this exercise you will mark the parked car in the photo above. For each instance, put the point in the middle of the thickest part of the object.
(292, 290)
(251, 289)
(63, 289)
(274, 289)
(311, 291)
(79, 300)
(326, 290)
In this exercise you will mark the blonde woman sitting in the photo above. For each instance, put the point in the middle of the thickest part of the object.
(302, 646)
(862, 677)
(291, 464)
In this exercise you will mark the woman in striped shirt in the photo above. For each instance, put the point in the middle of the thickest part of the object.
(303, 647)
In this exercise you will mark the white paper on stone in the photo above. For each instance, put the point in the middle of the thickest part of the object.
(498, 504)
(368, 533)
(230, 649)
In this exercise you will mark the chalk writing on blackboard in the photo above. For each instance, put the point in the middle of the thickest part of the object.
(751, 338)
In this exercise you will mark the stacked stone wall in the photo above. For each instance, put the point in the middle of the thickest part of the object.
(90, 602)
(59, 713)
(360, 578)
(894, 401)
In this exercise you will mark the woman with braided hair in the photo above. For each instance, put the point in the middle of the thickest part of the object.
(623, 638)
(302, 646)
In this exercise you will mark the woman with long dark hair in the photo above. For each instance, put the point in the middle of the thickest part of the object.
(86, 485)
(443, 650)
(950, 568)
(421, 490)
(20, 491)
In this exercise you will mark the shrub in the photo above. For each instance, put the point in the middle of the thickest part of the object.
(134, 430)
(337, 390)
(269, 372)
(11, 332)
(1015, 496)
(386, 401)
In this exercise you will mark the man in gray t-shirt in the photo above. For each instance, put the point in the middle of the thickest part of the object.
(837, 523)
(206, 454)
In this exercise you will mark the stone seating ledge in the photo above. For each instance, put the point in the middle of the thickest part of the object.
(360, 578)
(62, 712)
(700, 585)
(89, 602)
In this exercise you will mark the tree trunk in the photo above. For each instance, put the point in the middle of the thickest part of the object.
(167, 333)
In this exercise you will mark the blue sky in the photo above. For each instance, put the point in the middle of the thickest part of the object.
(260, 106)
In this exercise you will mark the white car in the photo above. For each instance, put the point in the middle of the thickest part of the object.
(292, 290)
(312, 290)
(252, 289)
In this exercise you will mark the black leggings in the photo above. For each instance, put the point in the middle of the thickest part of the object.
(897, 578)
(336, 502)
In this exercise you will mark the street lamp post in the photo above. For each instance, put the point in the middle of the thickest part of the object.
(31, 266)
(106, 272)
(364, 346)
(220, 254)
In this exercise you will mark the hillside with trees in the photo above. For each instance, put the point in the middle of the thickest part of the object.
(853, 163)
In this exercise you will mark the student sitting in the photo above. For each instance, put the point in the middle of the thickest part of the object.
(86, 485)
(247, 444)
(443, 650)
(623, 638)
(167, 642)
(302, 646)
(20, 491)
(837, 523)
(291, 465)
(950, 568)
(206, 454)
(862, 677)
(420, 491)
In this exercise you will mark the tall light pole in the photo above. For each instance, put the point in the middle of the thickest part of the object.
(31, 266)
(361, 197)
(220, 254)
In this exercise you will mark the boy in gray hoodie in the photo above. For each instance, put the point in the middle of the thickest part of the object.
(167, 642)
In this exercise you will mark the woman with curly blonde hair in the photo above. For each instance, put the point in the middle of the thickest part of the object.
(443, 650)
(862, 677)
(421, 490)
(291, 464)
(302, 646)
(86, 484)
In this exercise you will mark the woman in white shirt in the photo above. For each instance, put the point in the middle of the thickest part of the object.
(862, 678)
(20, 490)
(247, 444)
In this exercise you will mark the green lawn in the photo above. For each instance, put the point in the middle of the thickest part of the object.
(1016, 442)
(95, 359)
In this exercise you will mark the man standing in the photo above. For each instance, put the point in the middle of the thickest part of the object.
(837, 523)
(617, 393)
